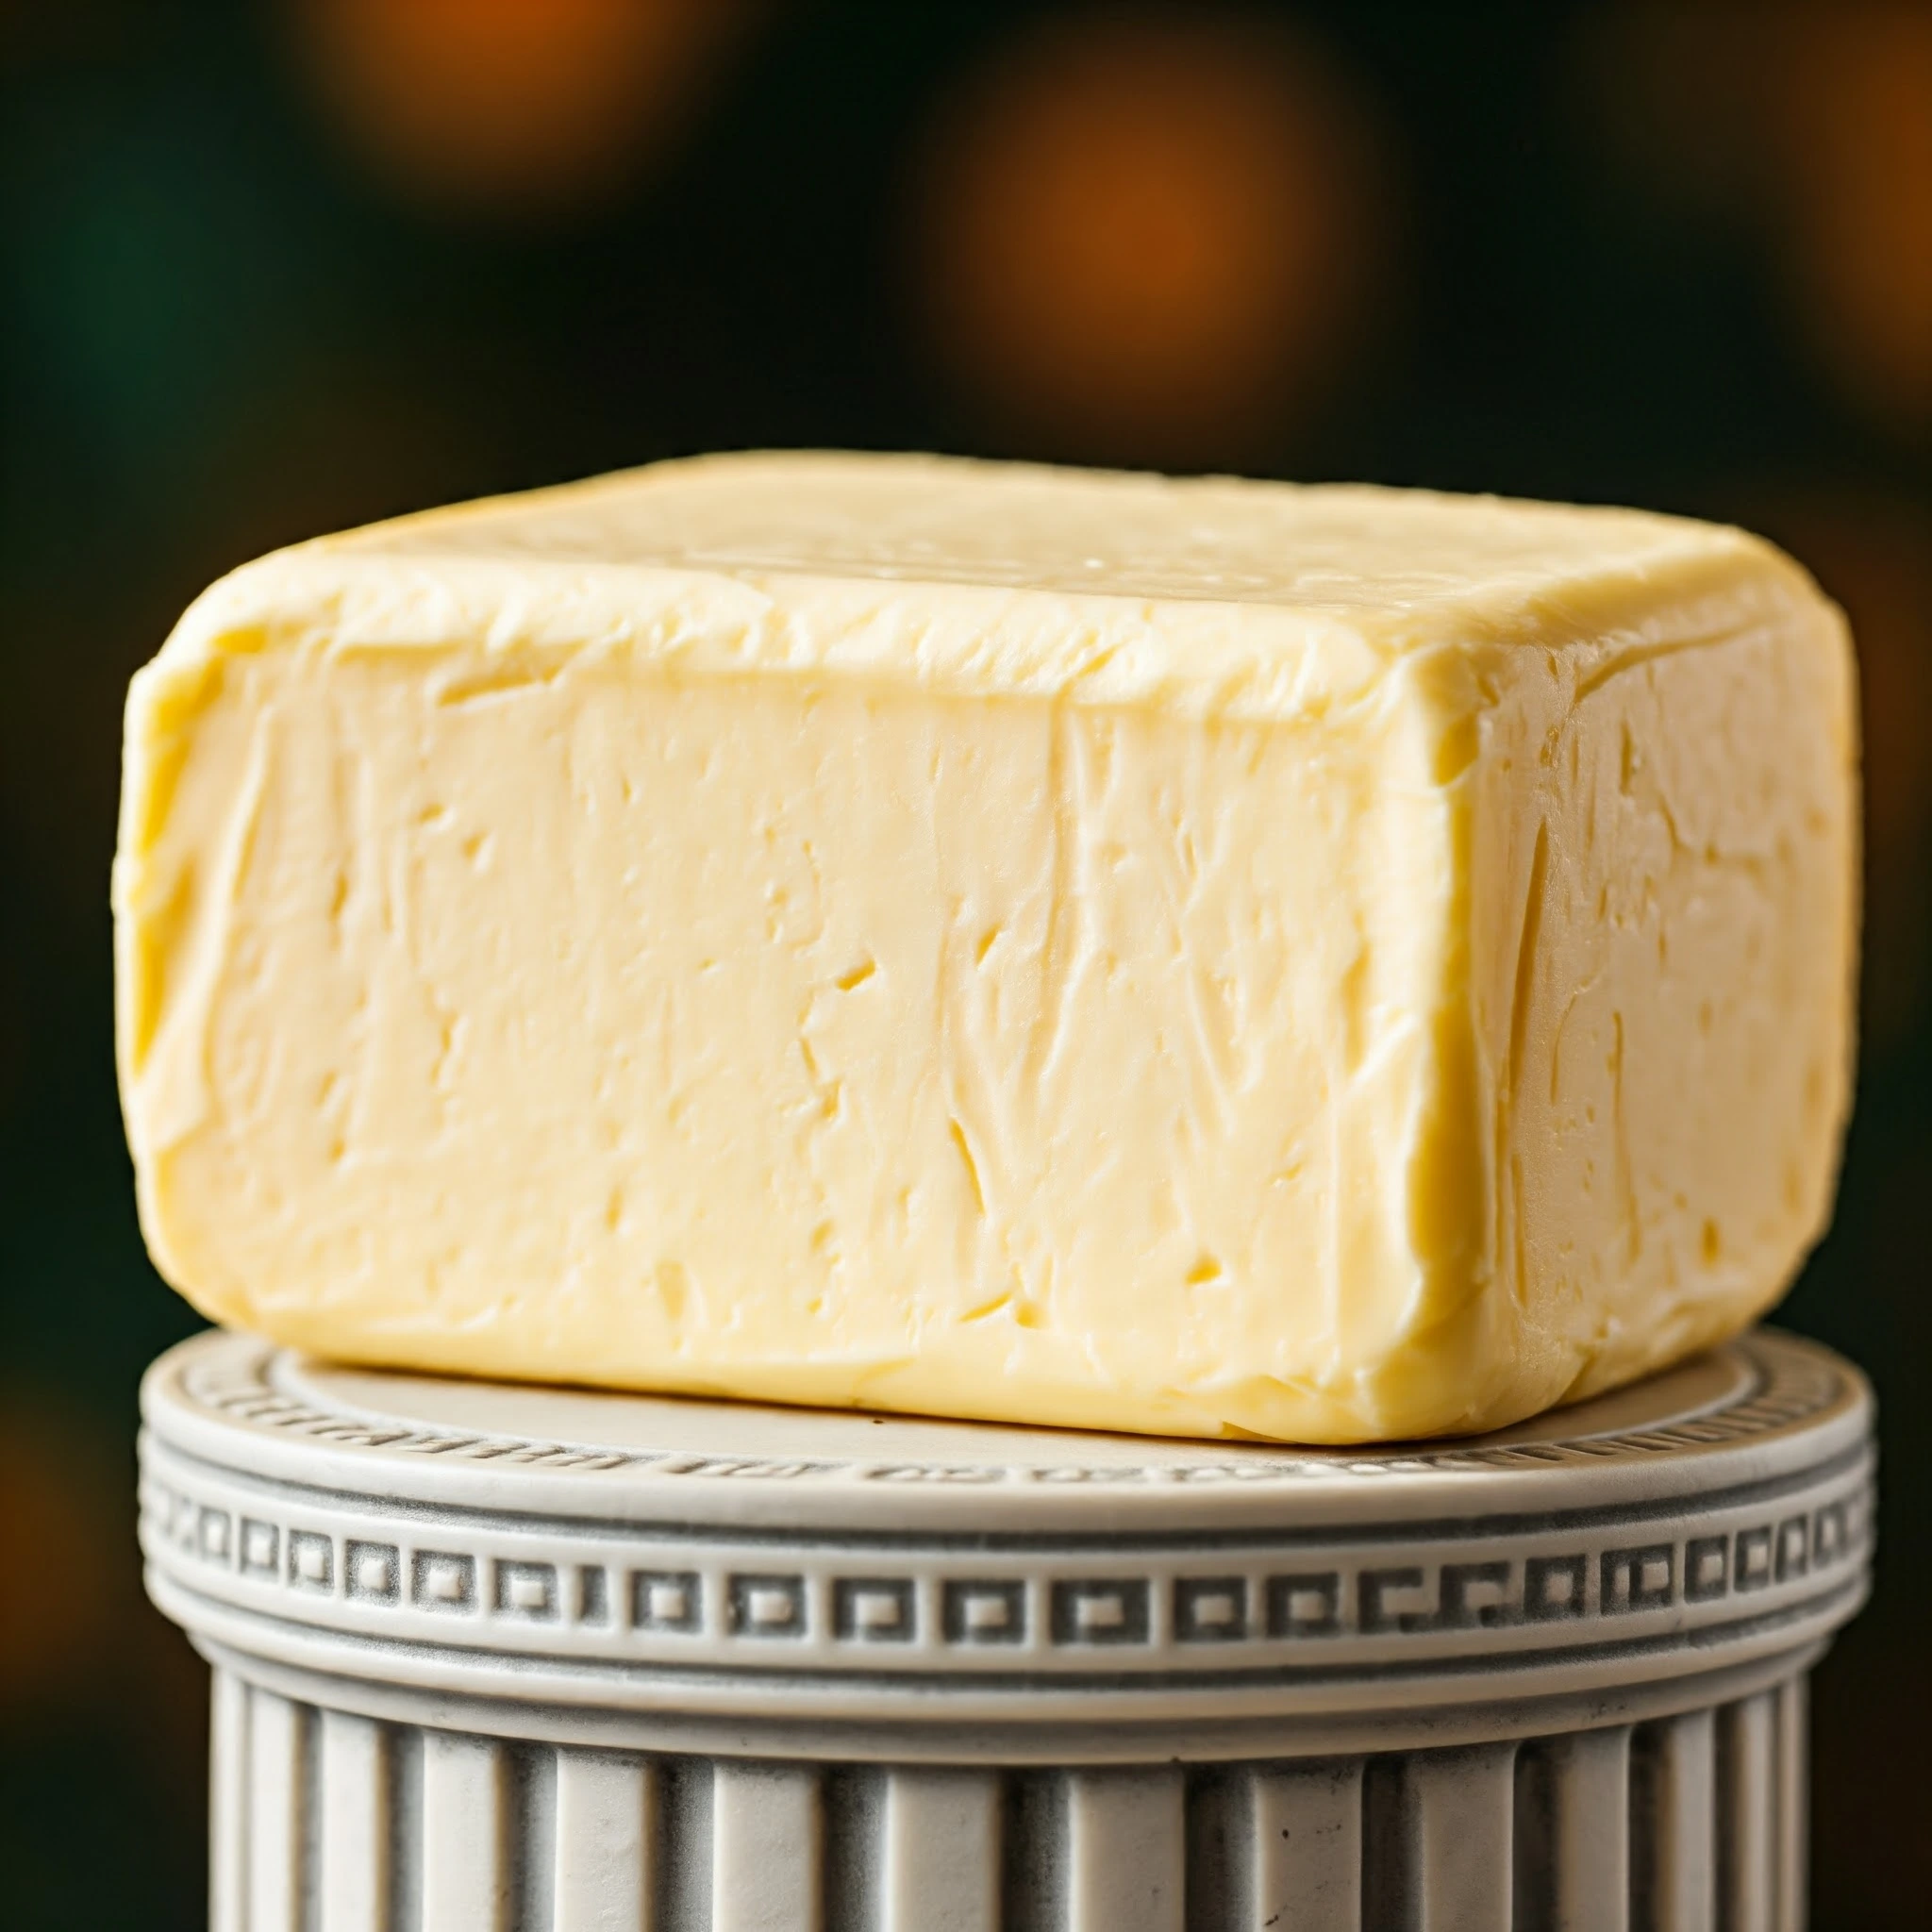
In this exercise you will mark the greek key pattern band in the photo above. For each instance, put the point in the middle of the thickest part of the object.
(676, 1596)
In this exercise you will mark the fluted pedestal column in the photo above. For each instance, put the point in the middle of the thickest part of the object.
(493, 1657)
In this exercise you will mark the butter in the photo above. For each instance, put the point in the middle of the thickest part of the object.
(1206, 958)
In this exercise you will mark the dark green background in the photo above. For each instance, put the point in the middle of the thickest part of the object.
(221, 333)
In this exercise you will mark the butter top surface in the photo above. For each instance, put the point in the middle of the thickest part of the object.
(1217, 596)
(1322, 548)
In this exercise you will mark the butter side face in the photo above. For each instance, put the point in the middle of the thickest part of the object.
(1202, 959)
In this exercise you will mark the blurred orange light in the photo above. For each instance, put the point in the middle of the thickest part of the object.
(1858, 121)
(1147, 236)
(509, 102)
(54, 1635)
(1813, 119)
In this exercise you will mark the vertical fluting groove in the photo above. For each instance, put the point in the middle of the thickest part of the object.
(681, 1856)
(228, 1824)
(1387, 1852)
(405, 1743)
(1572, 1834)
(1792, 1825)
(941, 1855)
(854, 1802)
(1673, 1825)
(1747, 1777)
(1217, 1888)
(1533, 1849)
(465, 1870)
(1460, 1813)
(275, 1802)
(1307, 1847)
(1033, 1852)
(1126, 1850)
(766, 1849)
(353, 1811)
(530, 1836)
(606, 1829)
(309, 1869)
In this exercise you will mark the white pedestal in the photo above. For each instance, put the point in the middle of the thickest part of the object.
(500, 1657)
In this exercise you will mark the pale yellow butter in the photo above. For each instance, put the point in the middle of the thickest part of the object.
(1209, 957)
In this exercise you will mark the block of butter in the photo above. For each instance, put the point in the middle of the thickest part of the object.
(1206, 957)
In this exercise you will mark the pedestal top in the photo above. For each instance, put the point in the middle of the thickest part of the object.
(1760, 1408)
(622, 1553)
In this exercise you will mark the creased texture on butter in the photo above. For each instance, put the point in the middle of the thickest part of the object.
(1203, 957)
